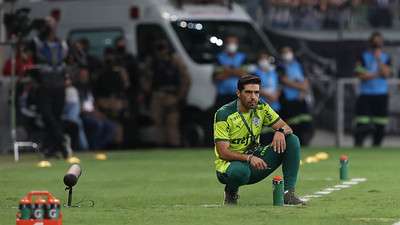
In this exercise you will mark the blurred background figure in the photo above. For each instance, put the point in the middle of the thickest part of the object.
(168, 81)
(266, 70)
(110, 91)
(49, 55)
(72, 113)
(128, 69)
(373, 68)
(99, 130)
(126, 60)
(295, 89)
(23, 62)
(380, 14)
(230, 66)
(270, 90)
(85, 58)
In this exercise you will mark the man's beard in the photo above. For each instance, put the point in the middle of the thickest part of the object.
(251, 105)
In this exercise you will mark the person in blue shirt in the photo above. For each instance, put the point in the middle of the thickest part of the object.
(372, 68)
(295, 88)
(230, 67)
(269, 90)
(266, 71)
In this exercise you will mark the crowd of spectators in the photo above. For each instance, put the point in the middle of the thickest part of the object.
(284, 85)
(109, 99)
(328, 14)
(106, 98)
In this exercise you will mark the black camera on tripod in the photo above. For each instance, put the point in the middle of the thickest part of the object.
(18, 23)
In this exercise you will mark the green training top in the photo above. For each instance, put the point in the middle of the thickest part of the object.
(228, 126)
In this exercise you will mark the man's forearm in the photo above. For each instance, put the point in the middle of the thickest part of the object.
(282, 124)
(228, 155)
(384, 70)
(234, 156)
(365, 76)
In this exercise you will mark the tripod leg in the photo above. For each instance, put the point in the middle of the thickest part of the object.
(69, 197)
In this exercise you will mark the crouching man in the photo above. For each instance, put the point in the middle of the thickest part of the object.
(241, 160)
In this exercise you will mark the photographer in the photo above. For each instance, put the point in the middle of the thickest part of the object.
(49, 53)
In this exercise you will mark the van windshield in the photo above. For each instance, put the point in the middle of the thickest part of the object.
(203, 40)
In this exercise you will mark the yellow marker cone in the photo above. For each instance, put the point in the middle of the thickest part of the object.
(73, 160)
(101, 156)
(322, 155)
(44, 164)
(312, 159)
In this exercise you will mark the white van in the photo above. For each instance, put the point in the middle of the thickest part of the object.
(194, 30)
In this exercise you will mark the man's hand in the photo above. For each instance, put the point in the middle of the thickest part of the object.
(384, 70)
(279, 142)
(257, 163)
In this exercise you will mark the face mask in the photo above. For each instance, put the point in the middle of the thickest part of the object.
(288, 56)
(232, 48)
(376, 45)
(264, 64)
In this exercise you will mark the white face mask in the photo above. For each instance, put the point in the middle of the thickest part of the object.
(232, 48)
(288, 56)
(264, 64)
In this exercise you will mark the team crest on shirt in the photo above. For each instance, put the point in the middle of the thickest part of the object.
(256, 121)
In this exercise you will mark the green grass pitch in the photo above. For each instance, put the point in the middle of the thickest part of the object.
(179, 187)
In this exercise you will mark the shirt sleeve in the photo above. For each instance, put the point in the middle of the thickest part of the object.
(280, 69)
(360, 65)
(271, 116)
(389, 61)
(221, 129)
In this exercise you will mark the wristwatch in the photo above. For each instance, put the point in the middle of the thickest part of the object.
(281, 130)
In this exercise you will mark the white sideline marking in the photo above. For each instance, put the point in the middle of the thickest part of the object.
(359, 179)
(312, 196)
(338, 187)
(202, 205)
(306, 198)
(332, 189)
(397, 223)
(342, 186)
(350, 182)
(322, 192)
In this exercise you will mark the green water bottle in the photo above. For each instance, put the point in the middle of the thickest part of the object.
(277, 183)
(53, 209)
(25, 209)
(344, 171)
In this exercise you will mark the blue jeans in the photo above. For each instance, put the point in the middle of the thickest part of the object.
(72, 113)
(100, 132)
